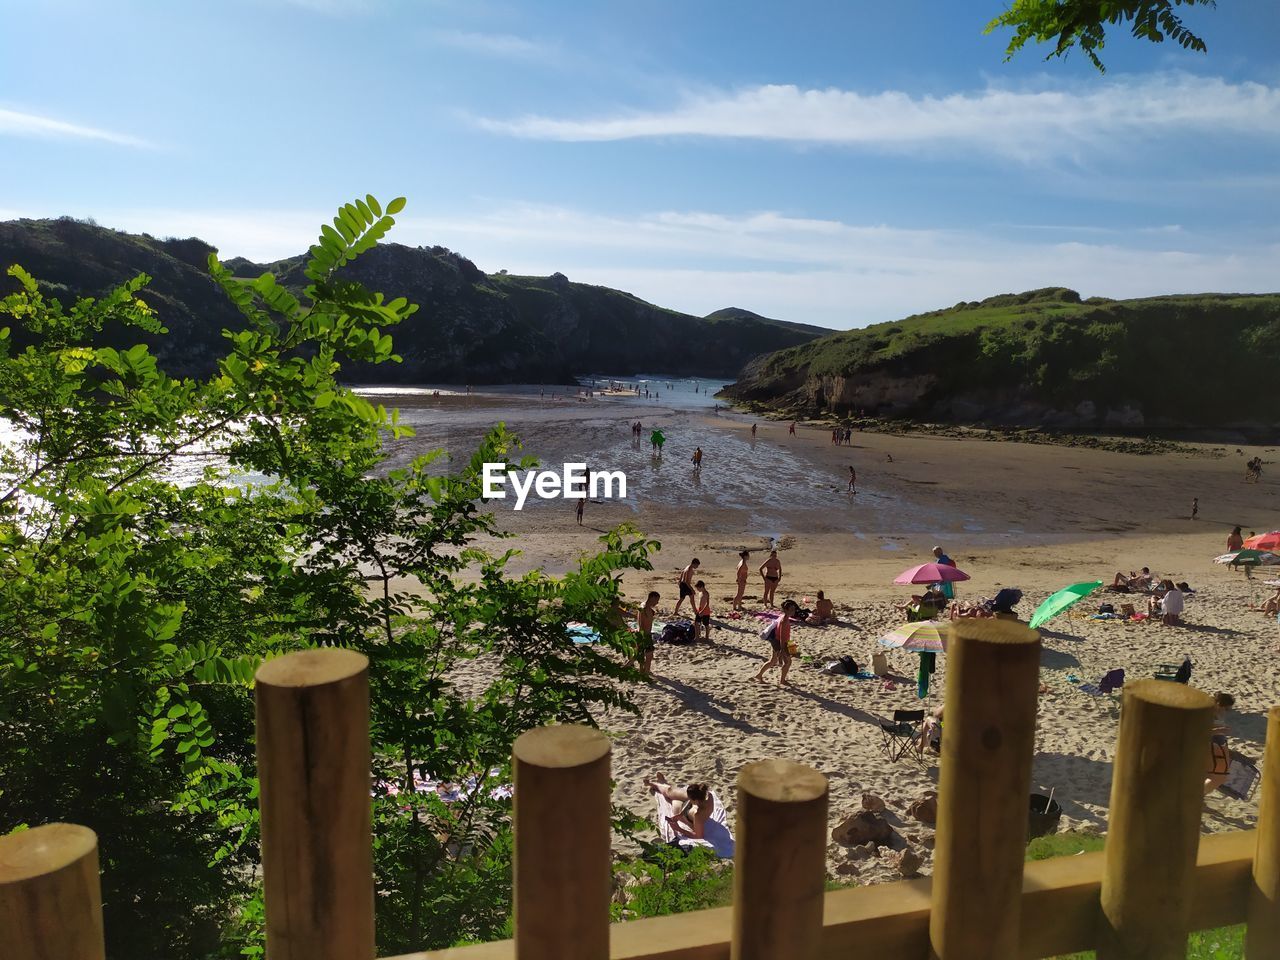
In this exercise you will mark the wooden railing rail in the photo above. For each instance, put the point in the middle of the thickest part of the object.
(1156, 880)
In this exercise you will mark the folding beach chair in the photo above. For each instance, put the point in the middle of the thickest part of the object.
(1106, 690)
(898, 736)
(1111, 681)
(1242, 781)
(1176, 672)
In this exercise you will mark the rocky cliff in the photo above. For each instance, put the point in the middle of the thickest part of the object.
(1044, 358)
(471, 327)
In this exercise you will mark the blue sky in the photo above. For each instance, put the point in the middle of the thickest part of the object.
(839, 163)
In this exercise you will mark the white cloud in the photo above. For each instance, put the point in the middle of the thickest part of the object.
(1029, 122)
(505, 46)
(14, 123)
(819, 271)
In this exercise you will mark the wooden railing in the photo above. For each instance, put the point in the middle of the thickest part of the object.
(1156, 880)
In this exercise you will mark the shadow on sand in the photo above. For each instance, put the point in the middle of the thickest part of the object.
(708, 706)
(1075, 781)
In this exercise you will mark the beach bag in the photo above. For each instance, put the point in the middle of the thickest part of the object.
(679, 634)
(768, 630)
(1106, 608)
(850, 665)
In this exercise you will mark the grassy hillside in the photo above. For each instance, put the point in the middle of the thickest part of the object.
(1044, 357)
(472, 327)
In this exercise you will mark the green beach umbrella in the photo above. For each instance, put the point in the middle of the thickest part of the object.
(1062, 600)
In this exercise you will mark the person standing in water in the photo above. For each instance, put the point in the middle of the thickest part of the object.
(685, 584)
(771, 570)
(853, 480)
(792, 431)
(753, 431)
(1195, 507)
(743, 573)
(697, 459)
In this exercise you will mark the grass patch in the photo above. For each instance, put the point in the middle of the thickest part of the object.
(1225, 943)
(1066, 844)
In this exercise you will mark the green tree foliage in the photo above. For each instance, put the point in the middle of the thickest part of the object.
(159, 537)
(1083, 23)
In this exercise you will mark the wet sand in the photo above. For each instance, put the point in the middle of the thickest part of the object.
(1037, 517)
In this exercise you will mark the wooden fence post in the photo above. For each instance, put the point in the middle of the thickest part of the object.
(1153, 830)
(984, 790)
(50, 895)
(1262, 937)
(563, 869)
(780, 862)
(313, 770)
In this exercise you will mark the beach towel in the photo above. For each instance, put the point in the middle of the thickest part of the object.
(718, 838)
(582, 633)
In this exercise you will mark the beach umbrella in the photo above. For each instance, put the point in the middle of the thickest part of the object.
(1251, 558)
(931, 573)
(1062, 600)
(926, 636)
(1264, 541)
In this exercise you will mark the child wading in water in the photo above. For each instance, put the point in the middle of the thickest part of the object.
(780, 640)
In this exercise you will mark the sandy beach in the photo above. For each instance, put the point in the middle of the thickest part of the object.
(1032, 516)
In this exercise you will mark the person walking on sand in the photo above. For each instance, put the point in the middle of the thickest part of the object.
(779, 637)
(685, 585)
(771, 570)
(1195, 507)
(853, 480)
(792, 431)
(582, 504)
(702, 611)
(743, 573)
(644, 633)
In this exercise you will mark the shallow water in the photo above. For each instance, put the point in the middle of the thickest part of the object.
(746, 486)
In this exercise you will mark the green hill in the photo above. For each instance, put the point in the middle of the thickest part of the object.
(472, 327)
(1044, 358)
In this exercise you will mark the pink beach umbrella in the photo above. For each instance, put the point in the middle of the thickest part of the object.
(931, 573)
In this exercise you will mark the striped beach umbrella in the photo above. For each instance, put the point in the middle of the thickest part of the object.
(927, 636)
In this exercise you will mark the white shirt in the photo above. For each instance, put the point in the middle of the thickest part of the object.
(1172, 603)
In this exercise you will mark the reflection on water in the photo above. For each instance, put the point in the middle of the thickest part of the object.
(745, 484)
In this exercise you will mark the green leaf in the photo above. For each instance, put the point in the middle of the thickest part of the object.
(395, 206)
